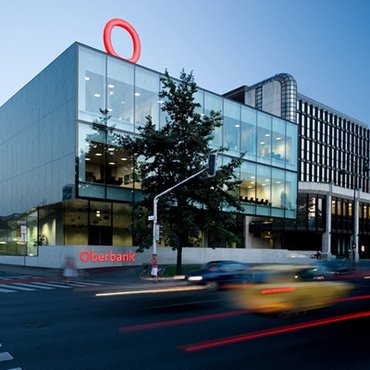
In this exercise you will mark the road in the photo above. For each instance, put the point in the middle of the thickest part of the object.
(73, 328)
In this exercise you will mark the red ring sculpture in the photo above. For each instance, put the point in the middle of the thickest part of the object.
(107, 38)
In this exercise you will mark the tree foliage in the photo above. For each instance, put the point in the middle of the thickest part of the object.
(167, 155)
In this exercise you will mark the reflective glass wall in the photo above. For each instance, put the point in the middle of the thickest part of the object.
(128, 93)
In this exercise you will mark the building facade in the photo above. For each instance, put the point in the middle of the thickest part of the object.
(63, 179)
(333, 172)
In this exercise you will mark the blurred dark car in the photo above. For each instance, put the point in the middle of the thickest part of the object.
(220, 274)
(345, 270)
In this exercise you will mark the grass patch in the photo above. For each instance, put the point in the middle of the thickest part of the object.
(171, 269)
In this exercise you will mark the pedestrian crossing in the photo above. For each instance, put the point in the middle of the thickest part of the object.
(22, 283)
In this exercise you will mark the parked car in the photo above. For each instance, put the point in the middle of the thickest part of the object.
(220, 274)
(287, 289)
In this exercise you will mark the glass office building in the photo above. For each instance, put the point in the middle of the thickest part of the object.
(333, 172)
(63, 179)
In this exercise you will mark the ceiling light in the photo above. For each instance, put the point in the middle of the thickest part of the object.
(87, 159)
(111, 86)
(112, 163)
(97, 95)
(123, 159)
(237, 125)
(262, 142)
(98, 154)
(137, 94)
(267, 135)
(87, 78)
(279, 138)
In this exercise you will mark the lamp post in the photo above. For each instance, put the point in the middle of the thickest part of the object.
(211, 168)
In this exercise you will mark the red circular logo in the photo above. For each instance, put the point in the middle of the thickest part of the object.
(107, 38)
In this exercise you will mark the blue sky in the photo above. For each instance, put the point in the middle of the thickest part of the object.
(323, 44)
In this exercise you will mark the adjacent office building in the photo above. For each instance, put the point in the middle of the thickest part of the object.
(64, 181)
(333, 171)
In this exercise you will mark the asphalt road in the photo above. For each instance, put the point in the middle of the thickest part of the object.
(73, 328)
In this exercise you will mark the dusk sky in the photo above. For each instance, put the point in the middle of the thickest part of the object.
(323, 44)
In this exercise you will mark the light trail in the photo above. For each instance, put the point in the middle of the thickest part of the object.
(264, 333)
(152, 291)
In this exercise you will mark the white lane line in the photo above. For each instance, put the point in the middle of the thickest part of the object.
(82, 283)
(5, 356)
(34, 285)
(12, 277)
(98, 282)
(55, 285)
(16, 287)
(6, 291)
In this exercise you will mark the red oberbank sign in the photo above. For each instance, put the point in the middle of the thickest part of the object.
(91, 256)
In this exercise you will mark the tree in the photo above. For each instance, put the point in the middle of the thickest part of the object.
(172, 153)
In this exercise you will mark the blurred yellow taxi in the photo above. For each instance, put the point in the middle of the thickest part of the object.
(289, 289)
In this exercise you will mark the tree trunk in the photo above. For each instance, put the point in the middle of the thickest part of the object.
(179, 261)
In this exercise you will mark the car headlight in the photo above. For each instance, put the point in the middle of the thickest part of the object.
(195, 278)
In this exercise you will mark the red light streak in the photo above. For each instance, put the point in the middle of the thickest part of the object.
(264, 333)
(187, 320)
(276, 290)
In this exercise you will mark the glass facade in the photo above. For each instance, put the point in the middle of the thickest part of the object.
(269, 144)
(62, 158)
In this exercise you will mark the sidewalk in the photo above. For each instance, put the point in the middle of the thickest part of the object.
(119, 274)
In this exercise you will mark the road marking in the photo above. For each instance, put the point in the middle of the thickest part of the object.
(5, 356)
(16, 287)
(80, 284)
(6, 291)
(55, 285)
(86, 283)
(32, 285)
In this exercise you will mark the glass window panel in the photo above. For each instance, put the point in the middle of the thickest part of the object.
(92, 69)
(263, 137)
(121, 219)
(291, 146)
(248, 182)
(120, 94)
(146, 97)
(278, 142)
(76, 222)
(263, 185)
(291, 193)
(213, 102)
(199, 98)
(232, 126)
(248, 132)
